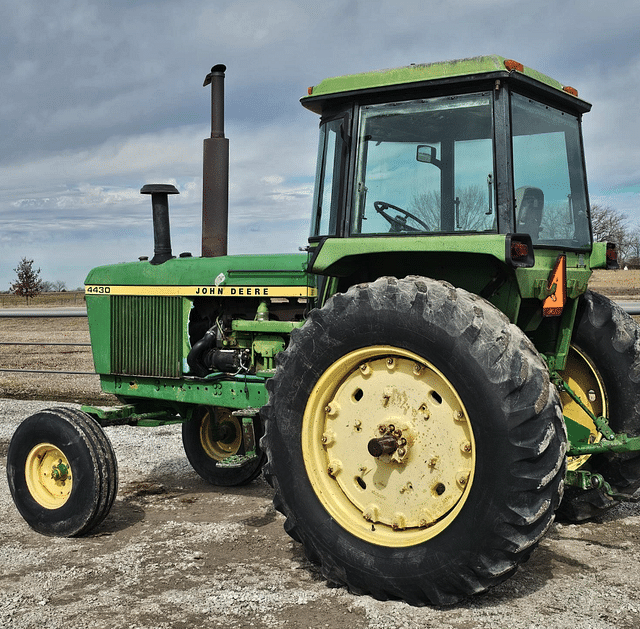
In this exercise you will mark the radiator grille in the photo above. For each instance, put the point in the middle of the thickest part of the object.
(146, 337)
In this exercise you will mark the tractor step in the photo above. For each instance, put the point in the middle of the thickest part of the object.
(237, 460)
(248, 435)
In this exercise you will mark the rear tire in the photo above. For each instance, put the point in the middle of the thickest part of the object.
(610, 339)
(62, 472)
(470, 396)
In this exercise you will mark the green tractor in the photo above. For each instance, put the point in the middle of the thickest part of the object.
(424, 387)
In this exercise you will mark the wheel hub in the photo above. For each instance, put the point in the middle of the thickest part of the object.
(388, 445)
(48, 476)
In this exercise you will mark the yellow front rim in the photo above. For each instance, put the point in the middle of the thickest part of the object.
(582, 377)
(210, 428)
(394, 499)
(48, 475)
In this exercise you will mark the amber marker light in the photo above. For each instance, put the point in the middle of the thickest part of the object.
(310, 90)
(612, 256)
(519, 250)
(512, 65)
(570, 90)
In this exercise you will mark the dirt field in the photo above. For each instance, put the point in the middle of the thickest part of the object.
(177, 553)
(29, 386)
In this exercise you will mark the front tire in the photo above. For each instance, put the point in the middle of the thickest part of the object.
(443, 376)
(62, 472)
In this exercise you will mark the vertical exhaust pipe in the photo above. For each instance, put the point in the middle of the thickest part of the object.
(215, 188)
(160, 205)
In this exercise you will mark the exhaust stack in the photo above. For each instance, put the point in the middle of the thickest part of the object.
(160, 204)
(215, 188)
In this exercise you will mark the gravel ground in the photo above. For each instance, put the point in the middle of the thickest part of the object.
(175, 552)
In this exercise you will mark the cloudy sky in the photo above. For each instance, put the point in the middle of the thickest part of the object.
(101, 97)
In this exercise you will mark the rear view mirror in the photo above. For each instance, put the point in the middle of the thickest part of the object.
(426, 154)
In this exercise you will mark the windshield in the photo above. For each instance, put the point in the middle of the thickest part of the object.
(548, 173)
(425, 166)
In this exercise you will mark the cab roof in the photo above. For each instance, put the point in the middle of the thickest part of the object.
(407, 77)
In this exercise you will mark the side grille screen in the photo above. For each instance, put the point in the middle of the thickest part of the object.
(146, 337)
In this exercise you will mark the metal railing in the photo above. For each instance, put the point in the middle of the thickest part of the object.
(19, 313)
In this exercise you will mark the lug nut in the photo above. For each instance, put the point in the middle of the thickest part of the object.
(328, 437)
(371, 513)
(332, 408)
(399, 522)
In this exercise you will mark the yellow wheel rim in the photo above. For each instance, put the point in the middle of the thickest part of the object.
(582, 377)
(394, 499)
(48, 475)
(220, 449)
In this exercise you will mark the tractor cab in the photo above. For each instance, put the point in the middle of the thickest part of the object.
(478, 146)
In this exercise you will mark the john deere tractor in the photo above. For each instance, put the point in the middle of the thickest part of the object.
(422, 384)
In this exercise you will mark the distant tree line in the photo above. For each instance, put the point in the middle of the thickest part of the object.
(611, 225)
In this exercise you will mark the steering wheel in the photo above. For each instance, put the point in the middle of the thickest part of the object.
(398, 224)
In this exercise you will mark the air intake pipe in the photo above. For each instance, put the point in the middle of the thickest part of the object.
(215, 179)
(161, 234)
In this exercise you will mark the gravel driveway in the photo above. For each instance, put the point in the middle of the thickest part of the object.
(175, 552)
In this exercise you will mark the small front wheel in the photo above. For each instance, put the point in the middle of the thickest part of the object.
(62, 472)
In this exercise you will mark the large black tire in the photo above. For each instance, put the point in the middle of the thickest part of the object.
(207, 450)
(610, 339)
(62, 472)
(456, 380)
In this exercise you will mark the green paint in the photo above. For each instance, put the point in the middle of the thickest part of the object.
(338, 256)
(418, 73)
(236, 392)
(281, 327)
(244, 270)
(576, 432)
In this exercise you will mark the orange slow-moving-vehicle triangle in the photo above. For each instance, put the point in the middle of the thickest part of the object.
(552, 306)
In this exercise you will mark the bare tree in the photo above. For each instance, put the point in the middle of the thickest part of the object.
(633, 254)
(59, 286)
(471, 213)
(28, 283)
(610, 225)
